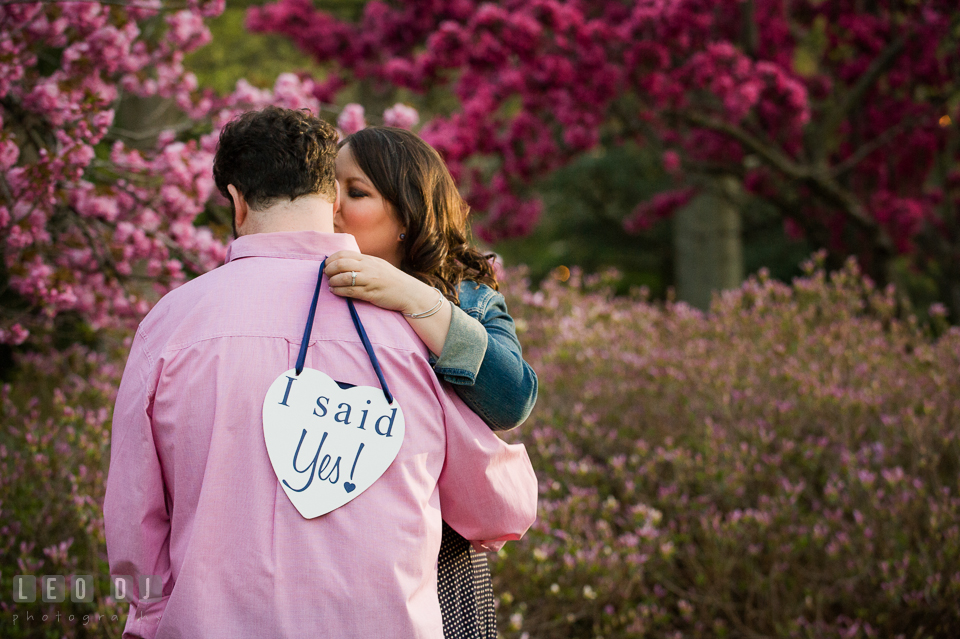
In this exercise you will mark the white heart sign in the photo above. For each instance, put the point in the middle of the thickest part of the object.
(328, 444)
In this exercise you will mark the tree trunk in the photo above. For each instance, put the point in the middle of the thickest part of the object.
(709, 252)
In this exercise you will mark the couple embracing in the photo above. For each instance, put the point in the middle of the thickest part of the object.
(230, 491)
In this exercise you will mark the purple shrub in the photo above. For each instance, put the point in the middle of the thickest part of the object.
(54, 453)
(786, 465)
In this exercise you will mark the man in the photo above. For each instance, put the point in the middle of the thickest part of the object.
(192, 495)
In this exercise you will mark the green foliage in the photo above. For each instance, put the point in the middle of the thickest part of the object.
(582, 223)
(766, 245)
(586, 202)
(235, 53)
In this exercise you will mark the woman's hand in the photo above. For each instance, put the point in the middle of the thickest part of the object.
(378, 282)
(382, 284)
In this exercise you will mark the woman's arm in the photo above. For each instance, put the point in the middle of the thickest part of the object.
(481, 358)
(386, 286)
(495, 382)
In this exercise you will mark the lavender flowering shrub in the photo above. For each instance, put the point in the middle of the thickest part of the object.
(54, 453)
(784, 466)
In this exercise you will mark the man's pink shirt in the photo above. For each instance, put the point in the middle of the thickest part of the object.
(192, 496)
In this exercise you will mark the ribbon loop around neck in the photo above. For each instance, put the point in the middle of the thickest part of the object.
(369, 348)
(308, 330)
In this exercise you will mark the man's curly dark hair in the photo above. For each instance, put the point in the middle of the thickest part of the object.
(275, 154)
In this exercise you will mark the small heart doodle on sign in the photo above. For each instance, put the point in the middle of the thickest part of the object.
(320, 434)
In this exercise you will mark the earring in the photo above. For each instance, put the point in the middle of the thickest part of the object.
(403, 236)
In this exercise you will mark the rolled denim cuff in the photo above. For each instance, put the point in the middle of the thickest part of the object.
(463, 351)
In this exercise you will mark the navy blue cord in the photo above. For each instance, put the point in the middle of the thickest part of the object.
(308, 330)
(302, 357)
(369, 349)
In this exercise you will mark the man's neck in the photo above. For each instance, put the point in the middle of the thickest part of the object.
(306, 213)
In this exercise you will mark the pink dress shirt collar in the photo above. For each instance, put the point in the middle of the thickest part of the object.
(300, 245)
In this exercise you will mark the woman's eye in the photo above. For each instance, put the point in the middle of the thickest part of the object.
(354, 193)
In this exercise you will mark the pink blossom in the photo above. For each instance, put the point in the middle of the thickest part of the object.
(246, 93)
(401, 115)
(18, 238)
(351, 119)
(671, 162)
(15, 335)
(187, 30)
(9, 152)
(657, 208)
(294, 93)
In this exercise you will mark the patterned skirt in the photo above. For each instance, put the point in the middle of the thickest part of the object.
(465, 589)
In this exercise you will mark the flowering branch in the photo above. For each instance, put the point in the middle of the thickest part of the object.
(821, 181)
(877, 68)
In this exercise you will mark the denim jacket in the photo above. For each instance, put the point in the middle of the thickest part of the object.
(483, 360)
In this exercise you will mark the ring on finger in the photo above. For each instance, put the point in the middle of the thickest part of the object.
(353, 274)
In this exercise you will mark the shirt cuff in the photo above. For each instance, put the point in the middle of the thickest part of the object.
(463, 351)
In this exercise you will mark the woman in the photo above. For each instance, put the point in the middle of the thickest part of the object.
(400, 202)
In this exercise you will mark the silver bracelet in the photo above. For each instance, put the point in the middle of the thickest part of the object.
(432, 311)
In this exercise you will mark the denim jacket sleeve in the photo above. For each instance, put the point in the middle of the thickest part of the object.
(483, 359)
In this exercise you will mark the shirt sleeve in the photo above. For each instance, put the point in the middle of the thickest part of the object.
(463, 350)
(136, 521)
(488, 490)
(494, 380)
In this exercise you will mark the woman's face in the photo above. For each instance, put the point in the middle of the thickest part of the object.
(364, 214)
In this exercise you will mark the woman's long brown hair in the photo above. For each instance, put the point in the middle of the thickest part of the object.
(412, 177)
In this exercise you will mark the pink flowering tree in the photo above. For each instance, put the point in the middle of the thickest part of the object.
(86, 223)
(90, 227)
(843, 114)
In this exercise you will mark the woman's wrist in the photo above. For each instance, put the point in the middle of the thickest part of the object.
(432, 310)
(420, 298)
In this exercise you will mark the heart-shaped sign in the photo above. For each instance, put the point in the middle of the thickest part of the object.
(328, 442)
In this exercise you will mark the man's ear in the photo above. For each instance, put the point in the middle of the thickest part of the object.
(240, 208)
(336, 199)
